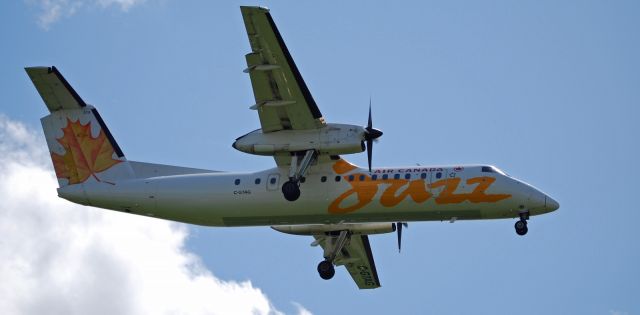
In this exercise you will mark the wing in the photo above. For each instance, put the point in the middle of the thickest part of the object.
(356, 256)
(283, 100)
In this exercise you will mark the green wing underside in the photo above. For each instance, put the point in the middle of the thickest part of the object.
(283, 100)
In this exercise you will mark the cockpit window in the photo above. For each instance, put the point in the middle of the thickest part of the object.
(493, 169)
(487, 169)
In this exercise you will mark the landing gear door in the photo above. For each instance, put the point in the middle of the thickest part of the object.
(273, 181)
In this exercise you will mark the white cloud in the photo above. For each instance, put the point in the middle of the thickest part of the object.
(123, 4)
(301, 310)
(53, 10)
(61, 258)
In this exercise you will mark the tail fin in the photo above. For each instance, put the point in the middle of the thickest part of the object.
(81, 146)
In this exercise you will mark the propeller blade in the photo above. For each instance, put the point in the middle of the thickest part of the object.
(399, 226)
(370, 123)
(369, 152)
(369, 139)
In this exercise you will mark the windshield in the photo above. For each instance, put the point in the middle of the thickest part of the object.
(493, 169)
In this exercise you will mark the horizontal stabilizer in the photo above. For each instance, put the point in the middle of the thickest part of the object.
(55, 91)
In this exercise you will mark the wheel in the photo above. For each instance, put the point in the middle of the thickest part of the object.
(326, 270)
(521, 227)
(291, 190)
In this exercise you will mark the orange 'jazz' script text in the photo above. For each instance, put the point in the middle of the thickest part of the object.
(398, 190)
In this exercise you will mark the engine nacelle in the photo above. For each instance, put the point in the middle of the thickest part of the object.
(333, 139)
(354, 228)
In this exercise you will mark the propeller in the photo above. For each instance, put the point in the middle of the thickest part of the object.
(399, 226)
(370, 134)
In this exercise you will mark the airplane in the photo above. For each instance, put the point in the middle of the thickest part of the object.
(311, 191)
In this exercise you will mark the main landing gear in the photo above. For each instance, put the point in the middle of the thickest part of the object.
(291, 188)
(325, 267)
(326, 270)
(521, 225)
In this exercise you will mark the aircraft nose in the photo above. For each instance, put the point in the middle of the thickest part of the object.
(551, 204)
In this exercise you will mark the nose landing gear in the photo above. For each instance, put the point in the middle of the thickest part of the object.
(521, 225)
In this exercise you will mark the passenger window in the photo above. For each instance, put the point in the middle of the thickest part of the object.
(362, 178)
(237, 181)
(351, 178)
(257, 181)
(323, 179)
(374, 177)
(438, 175)
(423, 175)
(397, 176)
(273, 180)
(407, 176)
(337, 178)
(385, 176)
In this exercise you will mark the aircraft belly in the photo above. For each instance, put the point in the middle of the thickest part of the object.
(279, 211)
(411, 211)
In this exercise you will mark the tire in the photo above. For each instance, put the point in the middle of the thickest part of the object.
(521, 227)
(326, 270)
(291, 191)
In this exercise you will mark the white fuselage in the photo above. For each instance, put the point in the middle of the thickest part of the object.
(331, 193)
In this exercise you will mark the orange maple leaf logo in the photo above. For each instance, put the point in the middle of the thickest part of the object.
(85, 156)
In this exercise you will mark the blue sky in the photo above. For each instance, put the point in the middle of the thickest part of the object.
(547, 91)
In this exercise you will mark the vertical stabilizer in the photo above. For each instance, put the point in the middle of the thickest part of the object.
(81, 146)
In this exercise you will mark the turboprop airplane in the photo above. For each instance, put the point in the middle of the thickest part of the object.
(312, 190)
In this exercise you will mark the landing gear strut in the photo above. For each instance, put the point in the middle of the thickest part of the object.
(521, 225)
(325, 267)
(291, 188)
